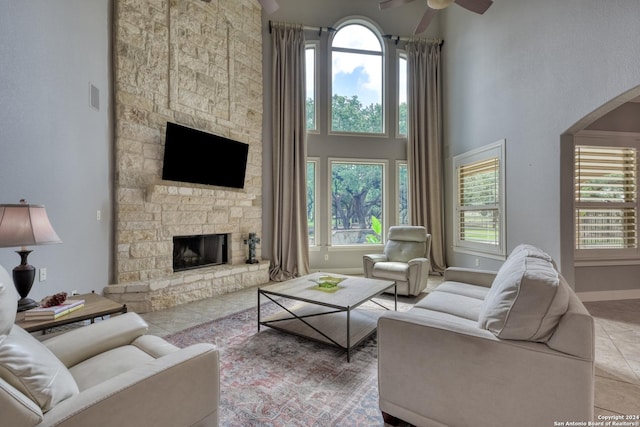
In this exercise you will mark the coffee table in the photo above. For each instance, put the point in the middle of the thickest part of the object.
(330, 316)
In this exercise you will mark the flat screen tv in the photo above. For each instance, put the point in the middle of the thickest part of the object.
(198, 157)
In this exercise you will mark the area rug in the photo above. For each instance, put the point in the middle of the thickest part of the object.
(270, 378)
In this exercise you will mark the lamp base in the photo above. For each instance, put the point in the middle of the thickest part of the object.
(23, 276)
(25, 304)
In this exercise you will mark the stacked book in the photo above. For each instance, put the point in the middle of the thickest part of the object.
(53, 312)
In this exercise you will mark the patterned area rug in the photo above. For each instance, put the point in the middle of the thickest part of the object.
(270, 378)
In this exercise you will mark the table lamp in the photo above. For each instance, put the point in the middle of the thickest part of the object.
(20, 226)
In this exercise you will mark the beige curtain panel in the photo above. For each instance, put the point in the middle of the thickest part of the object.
(290, 251)
(426, 181)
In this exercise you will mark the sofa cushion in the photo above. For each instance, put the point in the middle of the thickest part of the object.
(32, 368)
(455, 304)
(108, 364)
(459, 288)
(525, 301)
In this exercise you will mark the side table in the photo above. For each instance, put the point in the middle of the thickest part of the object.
(94, 306)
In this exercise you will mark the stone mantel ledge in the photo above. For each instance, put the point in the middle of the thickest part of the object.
(165, 192)
(187, 286)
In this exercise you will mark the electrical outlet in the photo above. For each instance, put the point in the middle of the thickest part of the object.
(43, 274)
(326, 257)
(98, 215)
(477, 262)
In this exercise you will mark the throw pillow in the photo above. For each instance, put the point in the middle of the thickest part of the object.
(525, 301)
(34, 370)
(8, 302)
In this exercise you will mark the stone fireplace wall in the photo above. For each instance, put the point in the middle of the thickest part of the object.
(198, 64)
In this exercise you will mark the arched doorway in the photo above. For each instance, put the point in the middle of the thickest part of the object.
(605, 274)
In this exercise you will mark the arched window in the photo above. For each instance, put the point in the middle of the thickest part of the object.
(357, 63)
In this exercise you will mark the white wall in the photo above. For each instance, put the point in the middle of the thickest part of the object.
(528, 71)
(54, 148)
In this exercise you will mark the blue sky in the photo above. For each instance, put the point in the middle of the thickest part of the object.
(356, 83)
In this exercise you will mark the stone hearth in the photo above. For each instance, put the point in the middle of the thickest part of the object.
(198, 64)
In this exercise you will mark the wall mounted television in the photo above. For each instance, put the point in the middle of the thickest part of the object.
(198, 157)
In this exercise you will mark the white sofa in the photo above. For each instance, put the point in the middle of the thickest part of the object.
(108, 374)
(507, 348)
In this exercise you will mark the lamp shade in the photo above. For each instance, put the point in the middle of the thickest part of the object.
(25, 225)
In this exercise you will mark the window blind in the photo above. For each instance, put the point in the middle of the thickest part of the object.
(606, 197)
(479, 198)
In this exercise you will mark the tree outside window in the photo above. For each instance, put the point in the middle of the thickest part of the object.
(403, 194)
(357, 202)
(311, 201)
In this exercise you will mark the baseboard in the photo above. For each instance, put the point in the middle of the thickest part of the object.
(609, 295)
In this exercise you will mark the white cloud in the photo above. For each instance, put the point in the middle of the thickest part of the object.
(347, 63)
(356, 36)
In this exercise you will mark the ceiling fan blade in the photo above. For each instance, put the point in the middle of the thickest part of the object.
(477, 6)
(392, 3)
(269, 6)
(425, 21)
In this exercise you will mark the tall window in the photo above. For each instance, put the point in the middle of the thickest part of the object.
(356, 80)
(402, 179)
(606, 201)
(357, 202)
(479, 176)
(310, 67)
(402, 95)
(312, 217)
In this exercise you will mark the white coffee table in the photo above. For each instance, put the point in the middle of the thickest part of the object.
(330, 316)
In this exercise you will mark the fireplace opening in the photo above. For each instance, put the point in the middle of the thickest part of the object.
(199, 251)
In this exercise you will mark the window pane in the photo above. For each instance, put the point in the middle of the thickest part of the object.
(356, 81)
(605, 174)
(606, 228)
(403, 195)
(311, 201)
(402, 97)
(478, 183)
(310, 67)
(357, 93)
(356, 36)
(605, 197)
(478, 194)
(356, 203)
(480, 226)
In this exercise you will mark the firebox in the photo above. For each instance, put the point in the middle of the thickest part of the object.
(199, 251)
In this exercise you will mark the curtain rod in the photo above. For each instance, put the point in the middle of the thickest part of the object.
(406, 39)
(310, 28)
(397, 39)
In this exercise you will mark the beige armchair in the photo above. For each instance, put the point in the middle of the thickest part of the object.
(405, 259)
(107, 374)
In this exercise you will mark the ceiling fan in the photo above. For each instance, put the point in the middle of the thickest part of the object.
(477, 6)
(269, 6)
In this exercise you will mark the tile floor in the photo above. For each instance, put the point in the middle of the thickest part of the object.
(617, 388)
